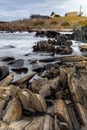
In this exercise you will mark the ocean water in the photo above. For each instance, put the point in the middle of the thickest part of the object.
(21, 43)
(18, 44)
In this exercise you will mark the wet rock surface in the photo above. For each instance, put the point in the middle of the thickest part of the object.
(60, 45)
(53, 34)
(55, 101)
(53, 95)
(17, 63)
(7, 59)
(81, 34)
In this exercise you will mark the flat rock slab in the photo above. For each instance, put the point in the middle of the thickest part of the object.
(37, 68)
(47, 60)
(24, 79)
(7, 47)
(7, 59)
(4, 71)
(20, 70)
(17, 63)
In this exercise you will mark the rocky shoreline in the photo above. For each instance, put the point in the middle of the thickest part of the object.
(53, 96)
(54, 100)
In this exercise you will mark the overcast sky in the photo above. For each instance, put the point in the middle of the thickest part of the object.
(19, 9)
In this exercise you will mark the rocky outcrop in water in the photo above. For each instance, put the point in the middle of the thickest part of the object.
(81, 34)
(54, 34)
(60, 46)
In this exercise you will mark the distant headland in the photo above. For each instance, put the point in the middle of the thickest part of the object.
(71, 20)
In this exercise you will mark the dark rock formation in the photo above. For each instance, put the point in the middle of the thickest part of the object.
(4, 71)
(51, 34)
(55, 103)
(44, 47)
(17, 63)
(59, 45)
(7, 59)
(37, 68)
(20, 70)
(40, 34)
(81, 34)
(8, 47)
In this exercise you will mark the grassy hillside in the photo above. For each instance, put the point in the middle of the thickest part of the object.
(51, 23)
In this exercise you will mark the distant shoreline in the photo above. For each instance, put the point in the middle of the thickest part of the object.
(56, 24)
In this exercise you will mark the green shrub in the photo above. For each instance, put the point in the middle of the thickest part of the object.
(65, 24)
(38, 23)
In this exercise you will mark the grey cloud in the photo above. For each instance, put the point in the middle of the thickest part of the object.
(17, 9)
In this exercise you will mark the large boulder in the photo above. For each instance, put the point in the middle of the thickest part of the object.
(13, 111)
(51, 34)
(32, 102)
(81, 34)
(17, 63)
(44, 46)
(4, 71)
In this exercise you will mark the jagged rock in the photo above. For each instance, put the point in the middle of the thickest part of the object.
(64, 49)
(63, 77)
(45, 88)
(44, 46)
(6, 81)
(37, 68)
(62, 113)
(40, 34)
(2, 104)
(4, 71)
(82, 112)
(44, 122)
(6, 93)
(33, 101)
(67, 50)
(78, 86)
(50, 65)
(36, 84)
(50, 88)
(73, 58)
(48, 123)
(64, 126)
(51, 73)
(80, 34)
(36, 124)
(24, 79)
(59, 95)
(19, 125)
(84, 127)
(3, 125)
(56, 124)
(13, 111)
